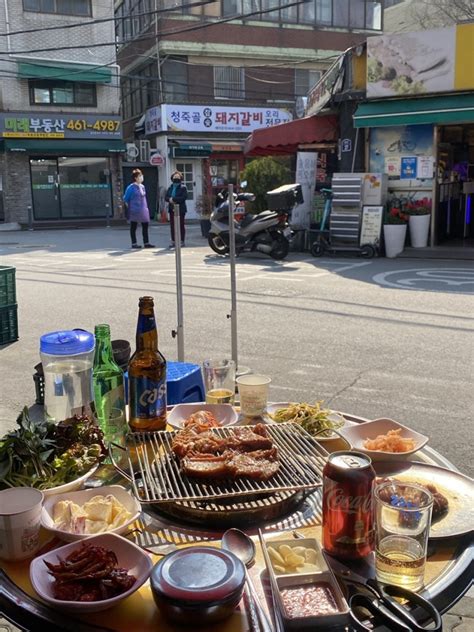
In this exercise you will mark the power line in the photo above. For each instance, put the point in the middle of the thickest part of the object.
(116, 18)
(160, 34)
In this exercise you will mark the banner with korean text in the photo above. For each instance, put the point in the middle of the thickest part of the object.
(212, 118)
(59, 125)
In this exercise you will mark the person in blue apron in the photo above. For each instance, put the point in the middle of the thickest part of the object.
(176, 195)
(137, 209)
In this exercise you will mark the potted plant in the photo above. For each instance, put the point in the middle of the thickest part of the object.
(419, 213)
(394, 231)
(204, 210)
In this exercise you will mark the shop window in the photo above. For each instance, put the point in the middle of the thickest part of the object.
(229, 82)
(174, 75)
(62, 7)
(274, 15)
(373, 16)
(304, 80)
(357, 14)
(323, 12)
(231, 7)
(62, 93)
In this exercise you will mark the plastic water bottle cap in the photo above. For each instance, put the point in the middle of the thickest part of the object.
(64, 343)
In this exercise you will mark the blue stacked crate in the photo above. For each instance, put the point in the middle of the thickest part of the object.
(184, 383)
(8, 306)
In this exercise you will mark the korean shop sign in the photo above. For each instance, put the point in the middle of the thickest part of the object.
(329, 84)
(58, 125)
(212, 118)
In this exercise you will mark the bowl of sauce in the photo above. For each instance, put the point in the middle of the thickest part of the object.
(310, 600)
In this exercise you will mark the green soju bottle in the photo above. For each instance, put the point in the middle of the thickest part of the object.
(109, 396)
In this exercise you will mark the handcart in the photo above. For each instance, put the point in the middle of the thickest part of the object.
(340, 228)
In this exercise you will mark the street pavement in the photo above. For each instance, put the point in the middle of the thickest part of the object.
(375, 338)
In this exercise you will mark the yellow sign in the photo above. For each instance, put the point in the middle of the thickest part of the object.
(464, 68)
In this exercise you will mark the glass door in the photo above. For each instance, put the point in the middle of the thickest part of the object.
(45, 186)
(85, 186)
(190, 171)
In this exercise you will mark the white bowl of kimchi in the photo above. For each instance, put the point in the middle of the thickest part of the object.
(383, 439)
(215, 414)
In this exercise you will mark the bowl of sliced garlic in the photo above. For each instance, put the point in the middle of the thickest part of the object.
(290, 557)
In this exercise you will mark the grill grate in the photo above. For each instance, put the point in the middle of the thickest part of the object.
(157, 477)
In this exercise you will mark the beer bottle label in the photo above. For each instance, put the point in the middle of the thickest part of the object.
(147, 398)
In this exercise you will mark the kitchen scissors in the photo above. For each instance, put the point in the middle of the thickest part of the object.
(381, 600)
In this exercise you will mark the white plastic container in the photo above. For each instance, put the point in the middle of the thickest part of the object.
(67, 358)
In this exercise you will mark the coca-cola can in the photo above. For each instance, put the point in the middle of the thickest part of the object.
(348, 520)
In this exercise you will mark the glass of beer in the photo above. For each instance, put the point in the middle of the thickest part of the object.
(402, 525)
(219, 381)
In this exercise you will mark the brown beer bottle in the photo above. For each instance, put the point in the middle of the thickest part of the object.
(147, 374)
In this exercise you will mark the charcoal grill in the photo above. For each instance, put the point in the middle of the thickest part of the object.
(157, 477)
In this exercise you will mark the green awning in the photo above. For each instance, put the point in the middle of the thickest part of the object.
(64, 72)
(64, 147)
(191, 150)
(442, 110)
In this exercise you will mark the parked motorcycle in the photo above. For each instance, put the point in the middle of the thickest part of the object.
(267, 232)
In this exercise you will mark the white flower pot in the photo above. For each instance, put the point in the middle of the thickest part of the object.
(394, 236)
(419, 229)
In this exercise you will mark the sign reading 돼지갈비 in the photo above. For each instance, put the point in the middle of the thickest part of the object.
(211, 118)
(59, 125)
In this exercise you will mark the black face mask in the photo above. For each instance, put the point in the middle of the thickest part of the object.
(176, 180)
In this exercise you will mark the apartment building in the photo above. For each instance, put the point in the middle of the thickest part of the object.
(198, 77)
(60, 128)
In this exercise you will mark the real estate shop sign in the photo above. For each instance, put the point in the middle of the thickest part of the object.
(58, 125)
(212, 118)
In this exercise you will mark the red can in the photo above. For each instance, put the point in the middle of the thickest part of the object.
(348, 521)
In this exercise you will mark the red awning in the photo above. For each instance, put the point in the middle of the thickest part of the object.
(285, 138)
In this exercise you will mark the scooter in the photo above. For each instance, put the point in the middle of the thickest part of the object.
(266, 232)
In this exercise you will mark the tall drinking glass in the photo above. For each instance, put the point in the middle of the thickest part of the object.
(219, 381)
(402, 525)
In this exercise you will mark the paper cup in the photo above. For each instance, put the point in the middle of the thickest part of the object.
(20, 521)
(253, 390)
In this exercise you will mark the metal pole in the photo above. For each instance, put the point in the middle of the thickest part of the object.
(233, 280)
(179, 284)
(30, 217)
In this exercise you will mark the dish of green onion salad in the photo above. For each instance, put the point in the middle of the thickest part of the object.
(319, 422)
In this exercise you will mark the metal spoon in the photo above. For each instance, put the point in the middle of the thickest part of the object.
(238, 543)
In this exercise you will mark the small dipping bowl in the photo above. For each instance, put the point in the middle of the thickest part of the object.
(198, 586)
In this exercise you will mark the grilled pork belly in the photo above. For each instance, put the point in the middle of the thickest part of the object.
(246, 452)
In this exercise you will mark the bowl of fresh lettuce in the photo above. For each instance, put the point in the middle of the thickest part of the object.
(54, 458)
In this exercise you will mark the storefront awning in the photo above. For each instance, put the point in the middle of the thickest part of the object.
(285, 138)
(65, 72)
(64, 147)
(442, 110)
(191, 150)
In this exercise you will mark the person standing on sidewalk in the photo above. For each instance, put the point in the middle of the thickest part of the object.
(137, 209)
(176, 195)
